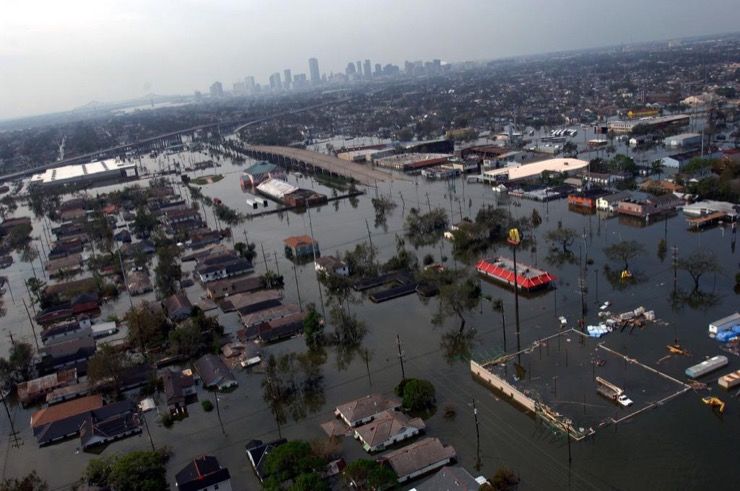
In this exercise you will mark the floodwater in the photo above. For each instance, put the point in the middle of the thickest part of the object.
(680, 445)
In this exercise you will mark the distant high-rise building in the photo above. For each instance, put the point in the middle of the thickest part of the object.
(378, 70)
(216, 89)
(359, 69)
(287, 79)
(350, 71)
(239, 88)
(300, 81)
(368, 69)
(275, 83)
(249, 84)
(313, 70)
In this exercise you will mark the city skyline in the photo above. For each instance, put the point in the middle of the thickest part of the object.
(57, 57)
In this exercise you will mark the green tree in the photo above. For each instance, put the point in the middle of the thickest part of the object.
(144, 222)
(247, 251)
(139, 471)
(313, 328)
(167, 272)
(309, 482)
(368, 475)
(503, 480)
(625, 251)
(289, 461)
(417, 394)
(29, 482)
(36, 287)
(536, 218)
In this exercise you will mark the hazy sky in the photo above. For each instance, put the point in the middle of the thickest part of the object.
(60, 54)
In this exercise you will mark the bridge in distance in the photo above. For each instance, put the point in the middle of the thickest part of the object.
(318, 162)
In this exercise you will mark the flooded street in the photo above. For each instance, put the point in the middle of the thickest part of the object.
(666, 448)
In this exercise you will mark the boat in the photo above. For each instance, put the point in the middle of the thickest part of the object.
(707, 366)
(528, 278)
(730, 380)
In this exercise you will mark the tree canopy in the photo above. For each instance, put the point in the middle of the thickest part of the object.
(625, 251)
(134, 471)
(368, 475)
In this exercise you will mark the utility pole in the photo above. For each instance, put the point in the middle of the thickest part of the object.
(477, 438)
(297, 287)
(13, 436)
(370, 239)
(516, 301)
(264, 257)
(400, 357)
(675, 268)
(33, 329)
(567, 434)
(146, 425)
(596, 278)
(277, 266)
(313, 249)
(218, 412)
(366, 356)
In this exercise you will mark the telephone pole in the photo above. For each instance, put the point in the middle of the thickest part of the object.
(675, 268)
(400, 357)
(477, 438)
(218, 413)
(33, 329)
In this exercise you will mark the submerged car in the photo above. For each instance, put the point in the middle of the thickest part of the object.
(624, 401)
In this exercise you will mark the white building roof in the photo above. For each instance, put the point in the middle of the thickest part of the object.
(276, 188)
(522, 171)
(72, 172)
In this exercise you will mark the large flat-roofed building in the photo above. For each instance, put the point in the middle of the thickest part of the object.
(104, 170)
(676, 120)
(523, 171)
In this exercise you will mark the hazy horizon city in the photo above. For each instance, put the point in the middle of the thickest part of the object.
(369, 246)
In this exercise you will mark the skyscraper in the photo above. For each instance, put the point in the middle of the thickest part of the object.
(313, 69)
(275, 81)
(216, 89)
(359, 69)
(288, 79)
(249, 84)
(368, 71)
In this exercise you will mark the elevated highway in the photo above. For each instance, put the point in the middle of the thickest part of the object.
(318, 162)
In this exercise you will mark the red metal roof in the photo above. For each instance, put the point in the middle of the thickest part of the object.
(527, 282)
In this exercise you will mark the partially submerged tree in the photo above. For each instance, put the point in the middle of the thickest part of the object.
(417, 394)
(459, 293)
(29, 482)
(167, 272)
(699, 263)
(134, 471)
(625, 251)
(106, 367)
(562, 238)
(147, 326)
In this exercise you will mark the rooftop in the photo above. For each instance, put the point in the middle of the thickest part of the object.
(523, 171)
(71, 172)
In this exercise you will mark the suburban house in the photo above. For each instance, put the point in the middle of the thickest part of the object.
(32, 391)
(365, 409)
(253, 321)
(110, 423)
(451, 479)
(585, 199)
(214, 373)
(218, 267)
(204, 237)
(88, 417)
(178, 386)
(138, 283)
(67, 353)
(331, 265)
(203, 473)
(219, 289)
(599, 179)
(246, 303)
(418, 458)
(610, 201)
(64, 265)
(66, 330)
(300, 246)
(178, 306)
(386, 429)
(257, 452)
(278, 329)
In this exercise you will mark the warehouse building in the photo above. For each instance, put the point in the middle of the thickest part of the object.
(94, 172)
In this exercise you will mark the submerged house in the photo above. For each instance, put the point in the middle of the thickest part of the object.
(418, 458)
(387, 429)
(214, 373)
(301, 246)
(203, 473)
(365, 409)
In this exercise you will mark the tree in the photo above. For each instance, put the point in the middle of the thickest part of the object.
(21, 359)
(361, 260)
(562, 238)
(625, 251)
(106, 365)
(247, 251)
(30, 482)
(459, 292)
(503, 480)
(289, 461)
(536, 218)
(147, 326)
(417, 394)
(313, 328)
(293, 385)
(309, 482)
(134, 471)
(168, 272)
(697, 264)
(144, 222)
(36, 287)
(425, 228)
(186, 341)
(368, 475)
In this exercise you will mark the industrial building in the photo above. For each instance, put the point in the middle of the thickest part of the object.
(683, 140)
(104, 170)
(677, 121)
(516, 172)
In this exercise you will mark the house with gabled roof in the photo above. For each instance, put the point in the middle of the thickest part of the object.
(203, 473)
(418, 458)
(364, 409)
(387, 429)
